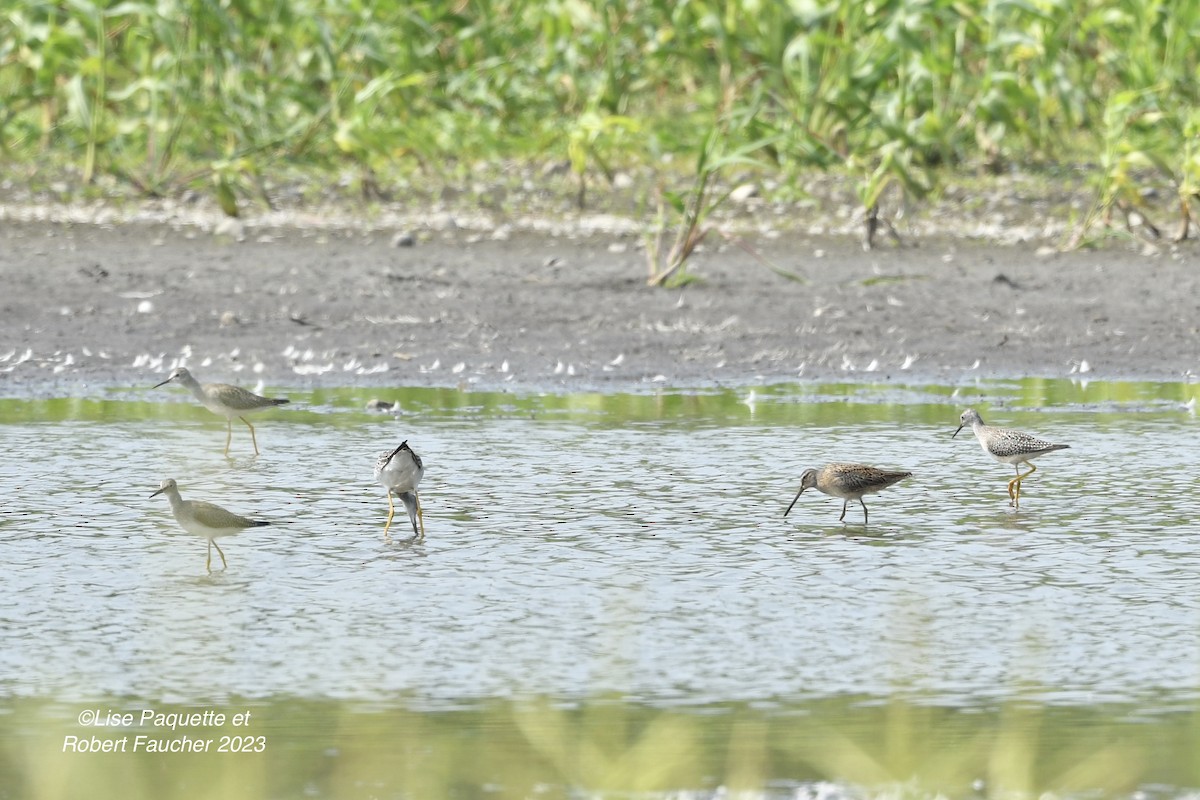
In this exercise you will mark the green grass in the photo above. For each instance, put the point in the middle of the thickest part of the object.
(226, 98)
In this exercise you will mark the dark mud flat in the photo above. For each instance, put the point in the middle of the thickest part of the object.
(96, 306)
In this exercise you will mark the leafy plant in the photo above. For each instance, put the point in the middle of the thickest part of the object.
(692, 208)
(589, 138)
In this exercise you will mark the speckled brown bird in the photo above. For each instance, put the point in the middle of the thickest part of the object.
(849, 482)
(1008, 447)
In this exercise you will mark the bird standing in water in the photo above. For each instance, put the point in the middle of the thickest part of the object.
(849, 482)
(1008, 447)
(205, 519)
(400, 472)
(225, 400)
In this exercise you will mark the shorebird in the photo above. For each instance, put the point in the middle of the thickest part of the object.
(400, 472)
(849, 482)
(1008, 447)
(224, 399)
(205, 519)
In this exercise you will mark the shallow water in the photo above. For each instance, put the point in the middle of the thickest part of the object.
(629, 547)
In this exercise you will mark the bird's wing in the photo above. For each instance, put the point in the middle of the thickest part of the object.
(236, 397)
(216, 517)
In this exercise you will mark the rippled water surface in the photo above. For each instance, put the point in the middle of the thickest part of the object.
(631, 547)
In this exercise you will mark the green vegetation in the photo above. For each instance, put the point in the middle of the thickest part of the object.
(851, 746)
(398, 99)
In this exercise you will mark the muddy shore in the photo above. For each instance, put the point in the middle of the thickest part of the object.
(93, 306)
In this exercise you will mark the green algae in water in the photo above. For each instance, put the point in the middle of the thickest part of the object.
(823, 403)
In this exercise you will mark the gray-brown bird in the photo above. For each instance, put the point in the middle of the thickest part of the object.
(205, 519)
(226, 400)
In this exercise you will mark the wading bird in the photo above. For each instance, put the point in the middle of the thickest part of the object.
(849, 482)
(400, 472)
(225, 400)
(205, 519)
(1008, 447)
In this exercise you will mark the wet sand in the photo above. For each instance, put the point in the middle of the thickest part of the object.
(93, 306)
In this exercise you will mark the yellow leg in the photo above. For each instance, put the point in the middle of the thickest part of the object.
(420, 515)
(228, 435)
(253, 438)
(391, 513)
(208, 563)
(224, 563)
(1032, 469)
(1014, 486)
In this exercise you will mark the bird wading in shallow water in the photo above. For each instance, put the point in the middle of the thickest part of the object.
(205, 519)
(849, 482)
(226, 400)
(1008, 447)
(400, 472)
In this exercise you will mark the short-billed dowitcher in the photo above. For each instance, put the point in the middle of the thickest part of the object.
(400, 472)
(849, 482)
(205, 519)
(1008, 447)
(228, 401)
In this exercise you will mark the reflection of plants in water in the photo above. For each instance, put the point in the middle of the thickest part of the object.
(603, 746)
(1023, 751)
(610, 747)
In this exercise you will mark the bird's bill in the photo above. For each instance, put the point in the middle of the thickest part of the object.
(960, 427)
(160, 491)
(794, 499)
(164, 383)
(412, 504)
